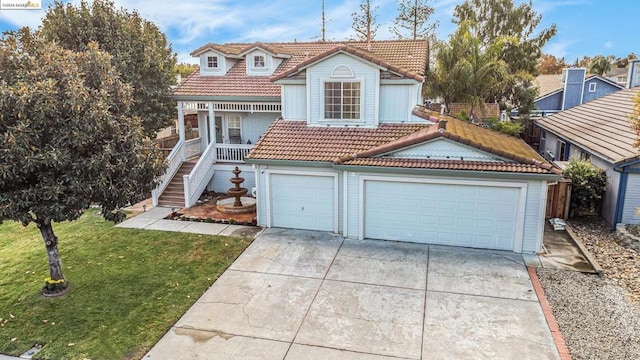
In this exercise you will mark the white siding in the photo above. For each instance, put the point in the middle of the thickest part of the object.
(550, 145)
(631, 211)
(611, 192)
(268, 64)
(252, 127)
(395, 103)
(220, 181)
(364, 72)
(256, 124)
(294, 102)
(533, 224)
(443, 149)
(222, 64)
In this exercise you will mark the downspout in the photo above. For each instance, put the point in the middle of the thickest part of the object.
(622, 189)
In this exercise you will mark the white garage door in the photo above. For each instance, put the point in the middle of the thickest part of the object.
(302, 201)
(460, 215)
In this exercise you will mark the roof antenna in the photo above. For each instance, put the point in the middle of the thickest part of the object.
(324, 21)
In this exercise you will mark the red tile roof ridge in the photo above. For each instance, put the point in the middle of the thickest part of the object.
(356, 51)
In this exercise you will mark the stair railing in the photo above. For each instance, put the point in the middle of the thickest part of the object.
(197, 180)
(176, 157)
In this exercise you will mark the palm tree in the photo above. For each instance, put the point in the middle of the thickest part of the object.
(465, 71)
(599, 65)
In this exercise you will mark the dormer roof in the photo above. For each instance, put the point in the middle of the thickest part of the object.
(274, 50)
(229, 51)
(355, 51)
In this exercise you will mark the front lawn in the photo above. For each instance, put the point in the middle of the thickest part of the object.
(127, 287)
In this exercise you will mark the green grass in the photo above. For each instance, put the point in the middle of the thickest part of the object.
(127, 287)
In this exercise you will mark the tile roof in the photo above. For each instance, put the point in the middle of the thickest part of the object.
(548, 83)
(406, 57)
(600, 126)
(227, 50)
(235, 83)
(273, 49)
(359, 52)
(449, 165)
(294, 140)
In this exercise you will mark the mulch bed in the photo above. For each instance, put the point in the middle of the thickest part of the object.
(205, 211)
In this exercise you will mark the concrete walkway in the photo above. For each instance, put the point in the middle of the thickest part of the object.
(313, 295)
(153, 219)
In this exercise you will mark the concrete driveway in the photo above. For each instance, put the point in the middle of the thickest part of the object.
(313, 295)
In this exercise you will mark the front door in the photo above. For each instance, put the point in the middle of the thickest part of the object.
(218, 120)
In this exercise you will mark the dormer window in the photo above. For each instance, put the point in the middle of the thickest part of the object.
(258, 61)
(212, 62)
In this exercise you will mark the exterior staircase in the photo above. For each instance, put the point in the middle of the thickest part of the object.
(173, 195)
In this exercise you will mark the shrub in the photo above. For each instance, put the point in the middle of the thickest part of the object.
(506, 127)
(588, 185)
(462, 115)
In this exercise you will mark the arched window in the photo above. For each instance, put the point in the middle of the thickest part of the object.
(342, 71)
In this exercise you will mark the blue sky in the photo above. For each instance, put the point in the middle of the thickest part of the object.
(585, 27)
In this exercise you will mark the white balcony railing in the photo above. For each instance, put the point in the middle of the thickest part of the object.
(234, 153)
(234, 106)
(175, 159)
(197, 180)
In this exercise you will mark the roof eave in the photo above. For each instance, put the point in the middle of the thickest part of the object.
(446, 172)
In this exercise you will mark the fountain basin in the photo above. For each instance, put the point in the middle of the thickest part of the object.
(226, 205)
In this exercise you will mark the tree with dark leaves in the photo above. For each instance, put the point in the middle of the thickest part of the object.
(138, 49)
(67, 139)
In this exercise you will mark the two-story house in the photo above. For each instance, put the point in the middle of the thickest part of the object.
(599, 131)
(351, 151)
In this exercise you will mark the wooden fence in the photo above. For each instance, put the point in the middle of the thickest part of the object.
(558, 199)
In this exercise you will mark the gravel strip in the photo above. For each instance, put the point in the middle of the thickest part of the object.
(599, 317)
(595, 316)
(620, 263)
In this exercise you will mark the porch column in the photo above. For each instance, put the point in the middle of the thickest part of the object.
(212, 123)
(181, 122)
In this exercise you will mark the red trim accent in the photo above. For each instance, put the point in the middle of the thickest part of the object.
(548, 314)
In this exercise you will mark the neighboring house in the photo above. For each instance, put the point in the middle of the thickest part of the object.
(234, 98)
(561, 92)
(619, 76)
(599, 131)
(577, 88)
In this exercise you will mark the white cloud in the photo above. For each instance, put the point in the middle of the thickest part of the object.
(608, 44)
(184, 57)
(20, 18)
(559, 48)
(545, 6)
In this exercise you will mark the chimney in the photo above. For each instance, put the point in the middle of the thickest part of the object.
(573, 86)
(442, 124)
(633, 78)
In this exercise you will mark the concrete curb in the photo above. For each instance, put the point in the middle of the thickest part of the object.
(548, 315)
(583, 249)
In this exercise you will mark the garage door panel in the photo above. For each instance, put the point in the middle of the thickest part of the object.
(448, 214)
(302, 201)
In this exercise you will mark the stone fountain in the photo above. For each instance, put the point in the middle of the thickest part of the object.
(237, 203)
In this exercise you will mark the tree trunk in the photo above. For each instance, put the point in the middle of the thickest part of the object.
(51, 243)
